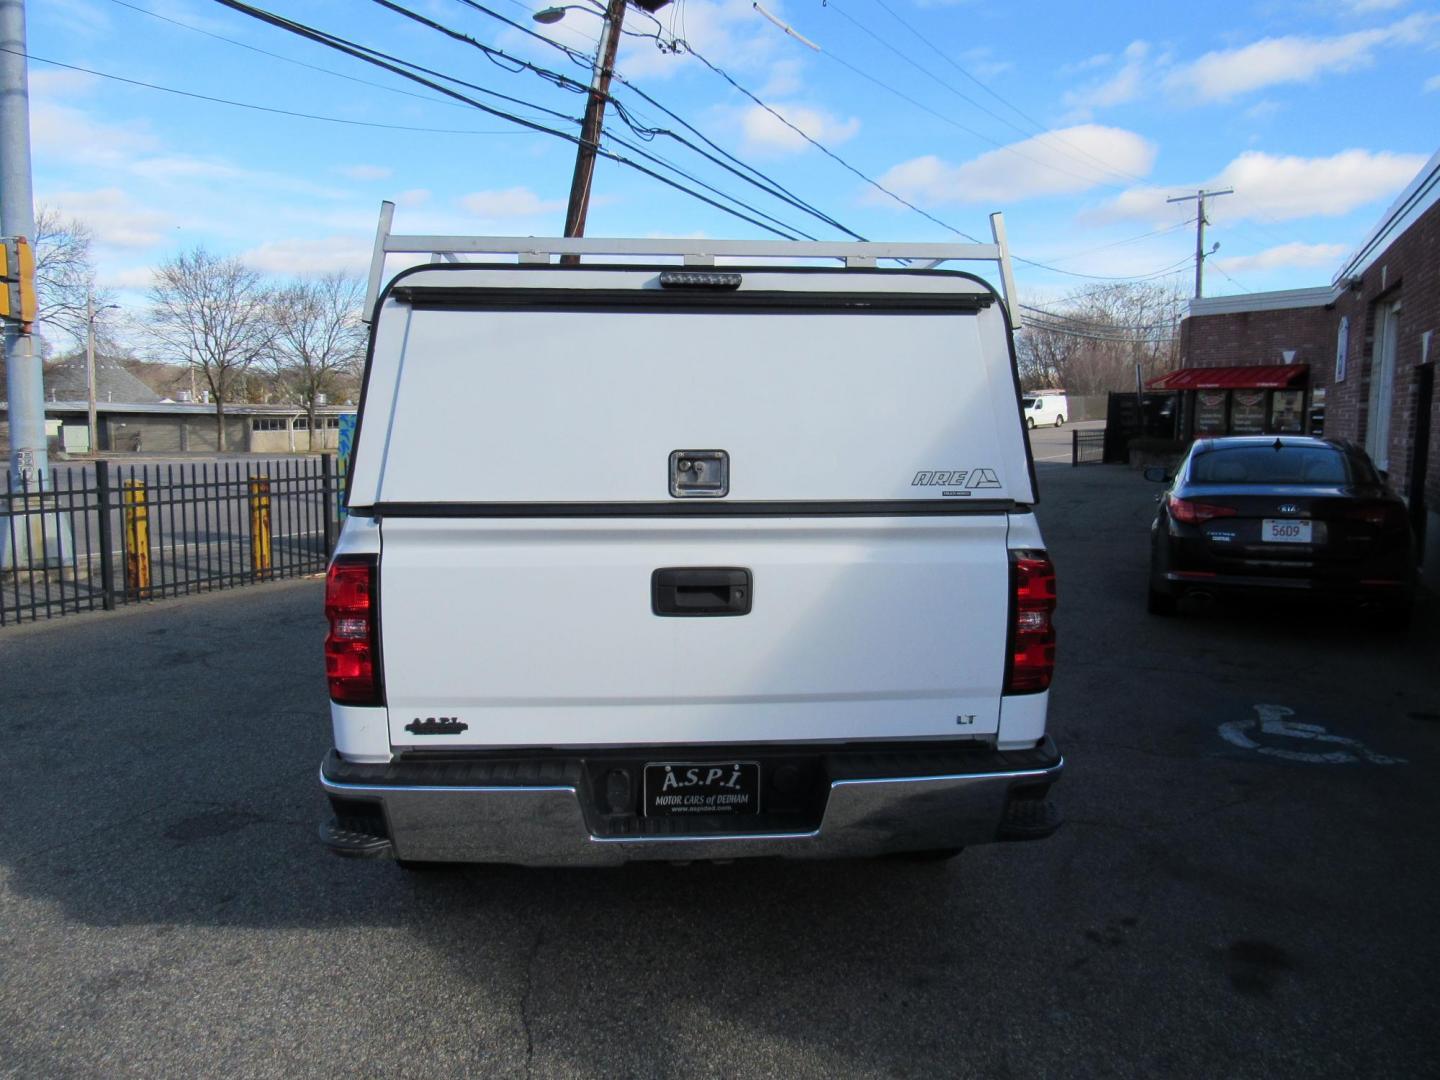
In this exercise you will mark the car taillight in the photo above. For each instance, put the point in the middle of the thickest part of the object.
(351, 655)
(1190, 512)
(1031, 661)
(1386, 517)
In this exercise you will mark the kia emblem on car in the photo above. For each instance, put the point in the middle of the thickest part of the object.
(1288, 508)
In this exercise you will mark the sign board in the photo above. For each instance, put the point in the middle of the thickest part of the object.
(342, 460)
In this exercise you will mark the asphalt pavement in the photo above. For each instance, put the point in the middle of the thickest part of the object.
(1246, 885)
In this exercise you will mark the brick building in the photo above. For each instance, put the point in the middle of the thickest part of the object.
(1352, 360)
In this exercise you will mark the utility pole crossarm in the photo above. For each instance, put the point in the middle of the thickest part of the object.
(1200, 222)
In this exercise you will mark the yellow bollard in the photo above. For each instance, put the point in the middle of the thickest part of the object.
(260, 556)
(136, 514)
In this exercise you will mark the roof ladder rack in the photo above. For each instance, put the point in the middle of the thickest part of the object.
(544, 250)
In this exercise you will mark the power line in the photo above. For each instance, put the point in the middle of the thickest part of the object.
(288, 59)
(251, 105)
(998, 97)
(1093, 324)
(826, 150)
(679, 45)
(1101, 277)
(1220, 270)
(832, 6)
(360, 52)
(646, 133)
(767, 183)
(1118, 243)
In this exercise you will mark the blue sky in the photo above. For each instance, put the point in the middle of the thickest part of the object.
(1076, 120)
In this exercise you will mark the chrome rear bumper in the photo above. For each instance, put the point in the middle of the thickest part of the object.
(546, 824)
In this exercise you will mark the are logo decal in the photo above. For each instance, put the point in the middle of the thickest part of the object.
(967, 479)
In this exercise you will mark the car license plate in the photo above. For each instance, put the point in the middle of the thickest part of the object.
(702, 787)
(1285, 531)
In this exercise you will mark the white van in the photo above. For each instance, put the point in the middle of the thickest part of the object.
(1045, 408)
(648, 560)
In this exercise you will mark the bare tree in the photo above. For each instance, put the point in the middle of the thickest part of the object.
(213, 314)
(318, 337)
(1092, 341)
(64, 273)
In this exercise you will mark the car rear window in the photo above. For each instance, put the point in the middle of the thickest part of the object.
(1271, 465)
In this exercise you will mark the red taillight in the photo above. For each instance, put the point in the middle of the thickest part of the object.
(350, 652)
(1032, 631)
(1190, 512)
(1383, 516)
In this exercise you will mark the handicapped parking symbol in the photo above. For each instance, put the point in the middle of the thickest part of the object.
(1272, 720)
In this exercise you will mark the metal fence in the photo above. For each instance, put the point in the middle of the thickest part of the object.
(1087, 447)
(101, 534)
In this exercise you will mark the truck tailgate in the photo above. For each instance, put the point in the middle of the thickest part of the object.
(541, 632)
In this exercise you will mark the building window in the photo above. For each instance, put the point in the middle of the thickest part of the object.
(1287, 412)
(267, 423)
(1211, 414)
(1247, 412)
(302, 423)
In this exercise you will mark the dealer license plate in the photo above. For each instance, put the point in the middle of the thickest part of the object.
(1285, 531)
(702, 787)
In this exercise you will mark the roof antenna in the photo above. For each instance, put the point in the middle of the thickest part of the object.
(1278, 444)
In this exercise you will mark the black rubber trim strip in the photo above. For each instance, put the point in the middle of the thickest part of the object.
(653, 300)
(709, 508)
(563, 767)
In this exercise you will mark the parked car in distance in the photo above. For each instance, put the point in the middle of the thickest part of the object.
(1045, 407)
(1270, 516)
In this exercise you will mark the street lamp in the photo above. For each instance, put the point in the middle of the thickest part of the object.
(90, 312)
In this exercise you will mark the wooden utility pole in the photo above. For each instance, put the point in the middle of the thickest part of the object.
(594, 120)
(1200, 223)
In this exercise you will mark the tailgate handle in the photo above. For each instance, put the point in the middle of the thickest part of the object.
(684, 590)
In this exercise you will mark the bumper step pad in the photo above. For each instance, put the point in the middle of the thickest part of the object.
(355, 839)
(1029, 819)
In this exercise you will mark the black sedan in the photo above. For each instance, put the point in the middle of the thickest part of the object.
(1268, 515)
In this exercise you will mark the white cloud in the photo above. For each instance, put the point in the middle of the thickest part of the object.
(67, 134)
(366, 172)
(784, 80)
(1090, 63)
(730, 32)
(511, 202)
(1228, 73)
(1043, 165)
(319, 256)
(413, 197)
(1281, 188)
(981, 63)
(1294, 254)
(133, 279)
(56, 82)
(1263, 110)
(115, 219)
(764, 133)
(1432, 84)
(1365, 7)
(1122, 86)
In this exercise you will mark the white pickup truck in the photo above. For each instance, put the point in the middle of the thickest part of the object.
(649, 558)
